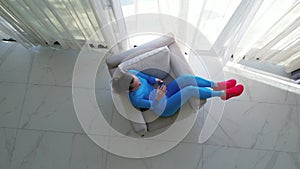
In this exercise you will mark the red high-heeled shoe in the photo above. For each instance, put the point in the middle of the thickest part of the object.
(233, 92)
(225, 85)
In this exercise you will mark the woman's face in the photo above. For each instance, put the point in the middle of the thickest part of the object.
(135, 84)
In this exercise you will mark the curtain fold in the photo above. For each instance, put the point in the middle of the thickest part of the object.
(235, 28)
(71, 23)
(274, 35)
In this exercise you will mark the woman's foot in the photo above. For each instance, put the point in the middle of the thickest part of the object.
(232, 92)
(225, 85)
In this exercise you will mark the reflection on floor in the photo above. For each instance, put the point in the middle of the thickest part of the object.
(39, 127)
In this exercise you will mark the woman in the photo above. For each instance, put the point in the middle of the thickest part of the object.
(165, 100)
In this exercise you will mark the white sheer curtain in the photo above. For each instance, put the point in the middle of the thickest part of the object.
(218, 20)
(210, 16)
(274, 35)
(69, 22)
(264, 29)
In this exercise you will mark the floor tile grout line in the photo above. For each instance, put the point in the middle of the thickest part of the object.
(13, 150)
(245, 148)
(50, 85)
(106, 159)
(30, 70)
(201, 157)
(21, 111)
(11, 82)
(26, 91)
(72, 146)
(62, 132)
(298, 126)
(49, 131)
(239, 147)
(257, 101)
(55, 85)
(297, 114)
(19, 120)
(202, 164)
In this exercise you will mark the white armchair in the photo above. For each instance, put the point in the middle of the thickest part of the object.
(147, 121)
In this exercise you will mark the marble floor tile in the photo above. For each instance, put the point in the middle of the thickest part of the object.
(106, 104)
(5, 46)
(86, 154)
(11, 101)
(280, 130)
(53, 67)
(90, 70)
(194, 133)
(120, 123)
(258, 125)
(38, 149)
(49, 108)
(103, 78)
(116, 162)
(265, 93)
(291, 98)
(94, 110)
(298, 100)
(104, 100)
(261, 92)
(215, 157)
(15, 63)
(184, 155)
(7, 140)
(298, 110)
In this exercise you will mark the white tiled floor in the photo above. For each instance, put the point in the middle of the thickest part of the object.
(39, 127)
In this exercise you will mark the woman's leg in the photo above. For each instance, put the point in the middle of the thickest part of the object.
(175, 101)
(187, 80)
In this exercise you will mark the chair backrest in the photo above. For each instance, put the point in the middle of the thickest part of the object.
(113, 61)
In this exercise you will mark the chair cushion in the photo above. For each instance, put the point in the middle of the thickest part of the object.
(155, 63)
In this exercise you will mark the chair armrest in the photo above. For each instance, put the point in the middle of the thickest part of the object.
(139, 128)
(178, 63)
(133, 115)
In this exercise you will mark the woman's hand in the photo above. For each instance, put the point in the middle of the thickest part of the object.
(160, 92)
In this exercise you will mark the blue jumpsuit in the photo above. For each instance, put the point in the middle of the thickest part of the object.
(179, 91)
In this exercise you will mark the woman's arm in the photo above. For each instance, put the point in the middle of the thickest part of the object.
(142, 103)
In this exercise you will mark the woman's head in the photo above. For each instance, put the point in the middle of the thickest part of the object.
(124, 83)
(134, 84)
